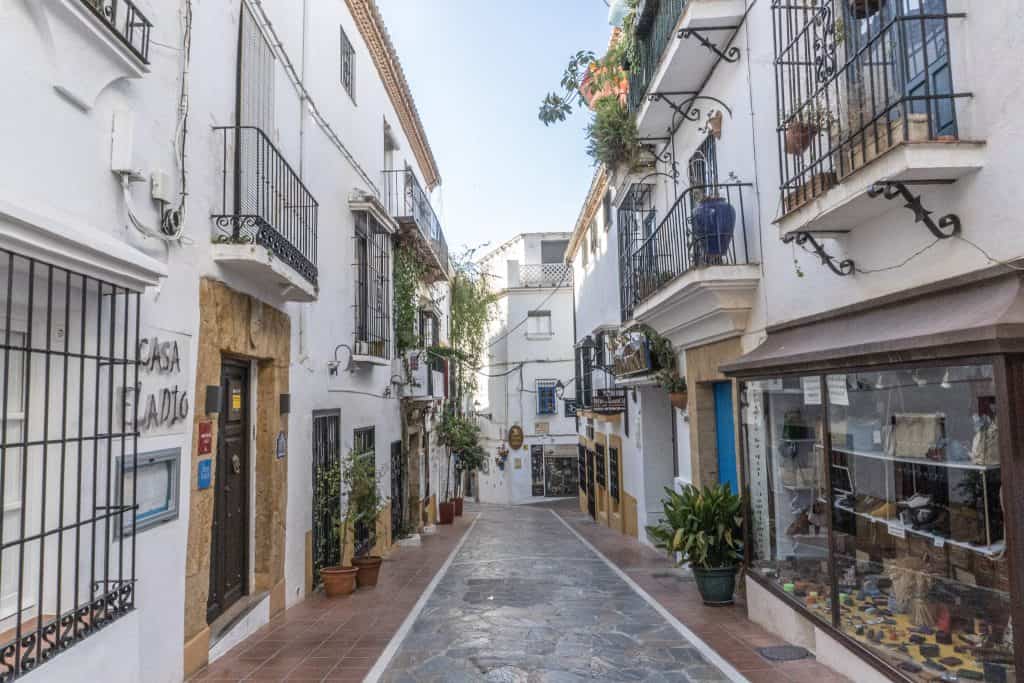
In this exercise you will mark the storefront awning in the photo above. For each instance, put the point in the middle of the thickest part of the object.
(972, 315)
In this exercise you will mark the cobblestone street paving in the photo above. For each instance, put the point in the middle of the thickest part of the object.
(524, 600)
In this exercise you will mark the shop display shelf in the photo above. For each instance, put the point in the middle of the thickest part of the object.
(917, 461)
(994, 550)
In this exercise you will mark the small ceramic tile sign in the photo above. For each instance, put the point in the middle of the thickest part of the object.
(282, 445)
(205, 437)
(205, 477)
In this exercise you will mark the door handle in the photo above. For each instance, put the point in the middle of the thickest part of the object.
(236, 464)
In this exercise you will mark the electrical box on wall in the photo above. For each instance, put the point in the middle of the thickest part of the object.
(122, 142)
(160, 187)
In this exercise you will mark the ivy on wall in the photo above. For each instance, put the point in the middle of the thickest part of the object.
(472, 307)
(407, 273)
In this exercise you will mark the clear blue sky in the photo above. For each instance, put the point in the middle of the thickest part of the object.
(478, 70)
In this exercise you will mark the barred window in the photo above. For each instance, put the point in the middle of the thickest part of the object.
(546, 397)
(348, 66)
(703, 170)
(373, 278)
(68, 438)
(364, 443)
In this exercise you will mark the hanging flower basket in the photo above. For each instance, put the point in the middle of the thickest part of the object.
(799, 136)
(678, 399)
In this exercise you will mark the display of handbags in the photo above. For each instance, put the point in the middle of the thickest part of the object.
(915, 435)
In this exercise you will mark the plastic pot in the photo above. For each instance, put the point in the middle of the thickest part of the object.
(714, 221)
(678, 399)
(716, 586)
(445, 513)
(368, 570)
(338, 581)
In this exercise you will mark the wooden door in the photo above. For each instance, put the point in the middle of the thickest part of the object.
(230, 541)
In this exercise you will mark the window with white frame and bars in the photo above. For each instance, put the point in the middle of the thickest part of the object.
(538, 324)
(373, 279)
(546, 399)
(348, 65)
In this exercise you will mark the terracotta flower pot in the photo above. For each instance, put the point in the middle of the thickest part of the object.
(678, 399)
(368, 570)
(446, 513)
(338, 581)
(620, 89)
(458, 506)
(799, 136)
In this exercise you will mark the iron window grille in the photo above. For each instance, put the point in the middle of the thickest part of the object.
(599, 465)
(364, 444)
(373, 277)
(68, 455)
(326, 487)
(546, 404)
(348, 65)
(592, 229)
(584, 377)
(263, 200)
(636, 220)
(127, 23)
(581, 457)
(854, 79)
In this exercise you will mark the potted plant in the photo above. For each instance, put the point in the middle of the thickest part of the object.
(365, 503)
(703, 528)
(714, 221)
(341, 579)
(805, 124)
(676, 388)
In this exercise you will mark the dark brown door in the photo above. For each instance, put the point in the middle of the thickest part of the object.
(591, 488)
(230, 542)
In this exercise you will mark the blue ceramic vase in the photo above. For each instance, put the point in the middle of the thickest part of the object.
(714, 221)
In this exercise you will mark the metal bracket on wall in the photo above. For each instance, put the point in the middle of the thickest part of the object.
(803, 239)
(683, 107)
(893, 189)
(730, 54)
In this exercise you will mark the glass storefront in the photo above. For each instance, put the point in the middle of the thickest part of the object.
(875, 504)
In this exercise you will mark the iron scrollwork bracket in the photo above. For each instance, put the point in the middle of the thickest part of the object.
(686, 112)
(806, 241)
(730, 54)
(948, 226)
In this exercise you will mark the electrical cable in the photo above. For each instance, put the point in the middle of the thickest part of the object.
(177, 236)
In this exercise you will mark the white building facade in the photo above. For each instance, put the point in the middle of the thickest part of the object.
(526, 378)
(200, 319)
(815, 233)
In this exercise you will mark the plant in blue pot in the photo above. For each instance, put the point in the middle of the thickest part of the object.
(714, 221)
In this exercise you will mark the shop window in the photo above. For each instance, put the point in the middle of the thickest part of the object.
(917, 535)
(546, 397)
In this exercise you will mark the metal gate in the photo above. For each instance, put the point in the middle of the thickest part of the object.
(399, 495)
(326, 490)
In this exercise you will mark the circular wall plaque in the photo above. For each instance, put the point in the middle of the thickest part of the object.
(515, 437)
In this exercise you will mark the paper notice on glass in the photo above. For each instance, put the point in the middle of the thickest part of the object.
(812, 390)
(837, 394)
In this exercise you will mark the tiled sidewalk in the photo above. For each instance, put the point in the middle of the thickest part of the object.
(339, 639)
(725, 629)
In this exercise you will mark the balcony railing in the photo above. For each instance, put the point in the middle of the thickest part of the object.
(693, 234)
(126, 21)
(651, 43)
(544, 275)
(853, 80)
(264, 202)
(406, 201)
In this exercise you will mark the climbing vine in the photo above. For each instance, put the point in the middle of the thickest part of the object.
(472, 307)
(408, 271)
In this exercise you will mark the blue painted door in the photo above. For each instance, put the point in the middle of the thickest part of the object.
(724, 429)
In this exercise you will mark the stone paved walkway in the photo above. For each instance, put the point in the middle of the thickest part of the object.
(526, 600)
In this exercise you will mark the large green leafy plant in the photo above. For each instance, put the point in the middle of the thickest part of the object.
(363, 501)
(407, 273)
(703, 526)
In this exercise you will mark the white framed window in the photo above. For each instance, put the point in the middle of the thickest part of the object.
(538, 324)
(546, 403)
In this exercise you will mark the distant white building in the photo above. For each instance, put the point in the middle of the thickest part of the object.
(526, 378)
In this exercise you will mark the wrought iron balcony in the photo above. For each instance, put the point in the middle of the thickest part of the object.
(657, 28)
(408, 204)
(705, 227)
(126, 21)
(854, 80)
(264, 201)
(543, 275)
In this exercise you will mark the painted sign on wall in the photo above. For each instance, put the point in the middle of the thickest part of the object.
(161, 401)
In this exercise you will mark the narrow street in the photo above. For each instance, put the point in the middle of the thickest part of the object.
(525, 599)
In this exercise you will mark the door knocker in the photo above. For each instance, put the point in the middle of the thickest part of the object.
(236, 464)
